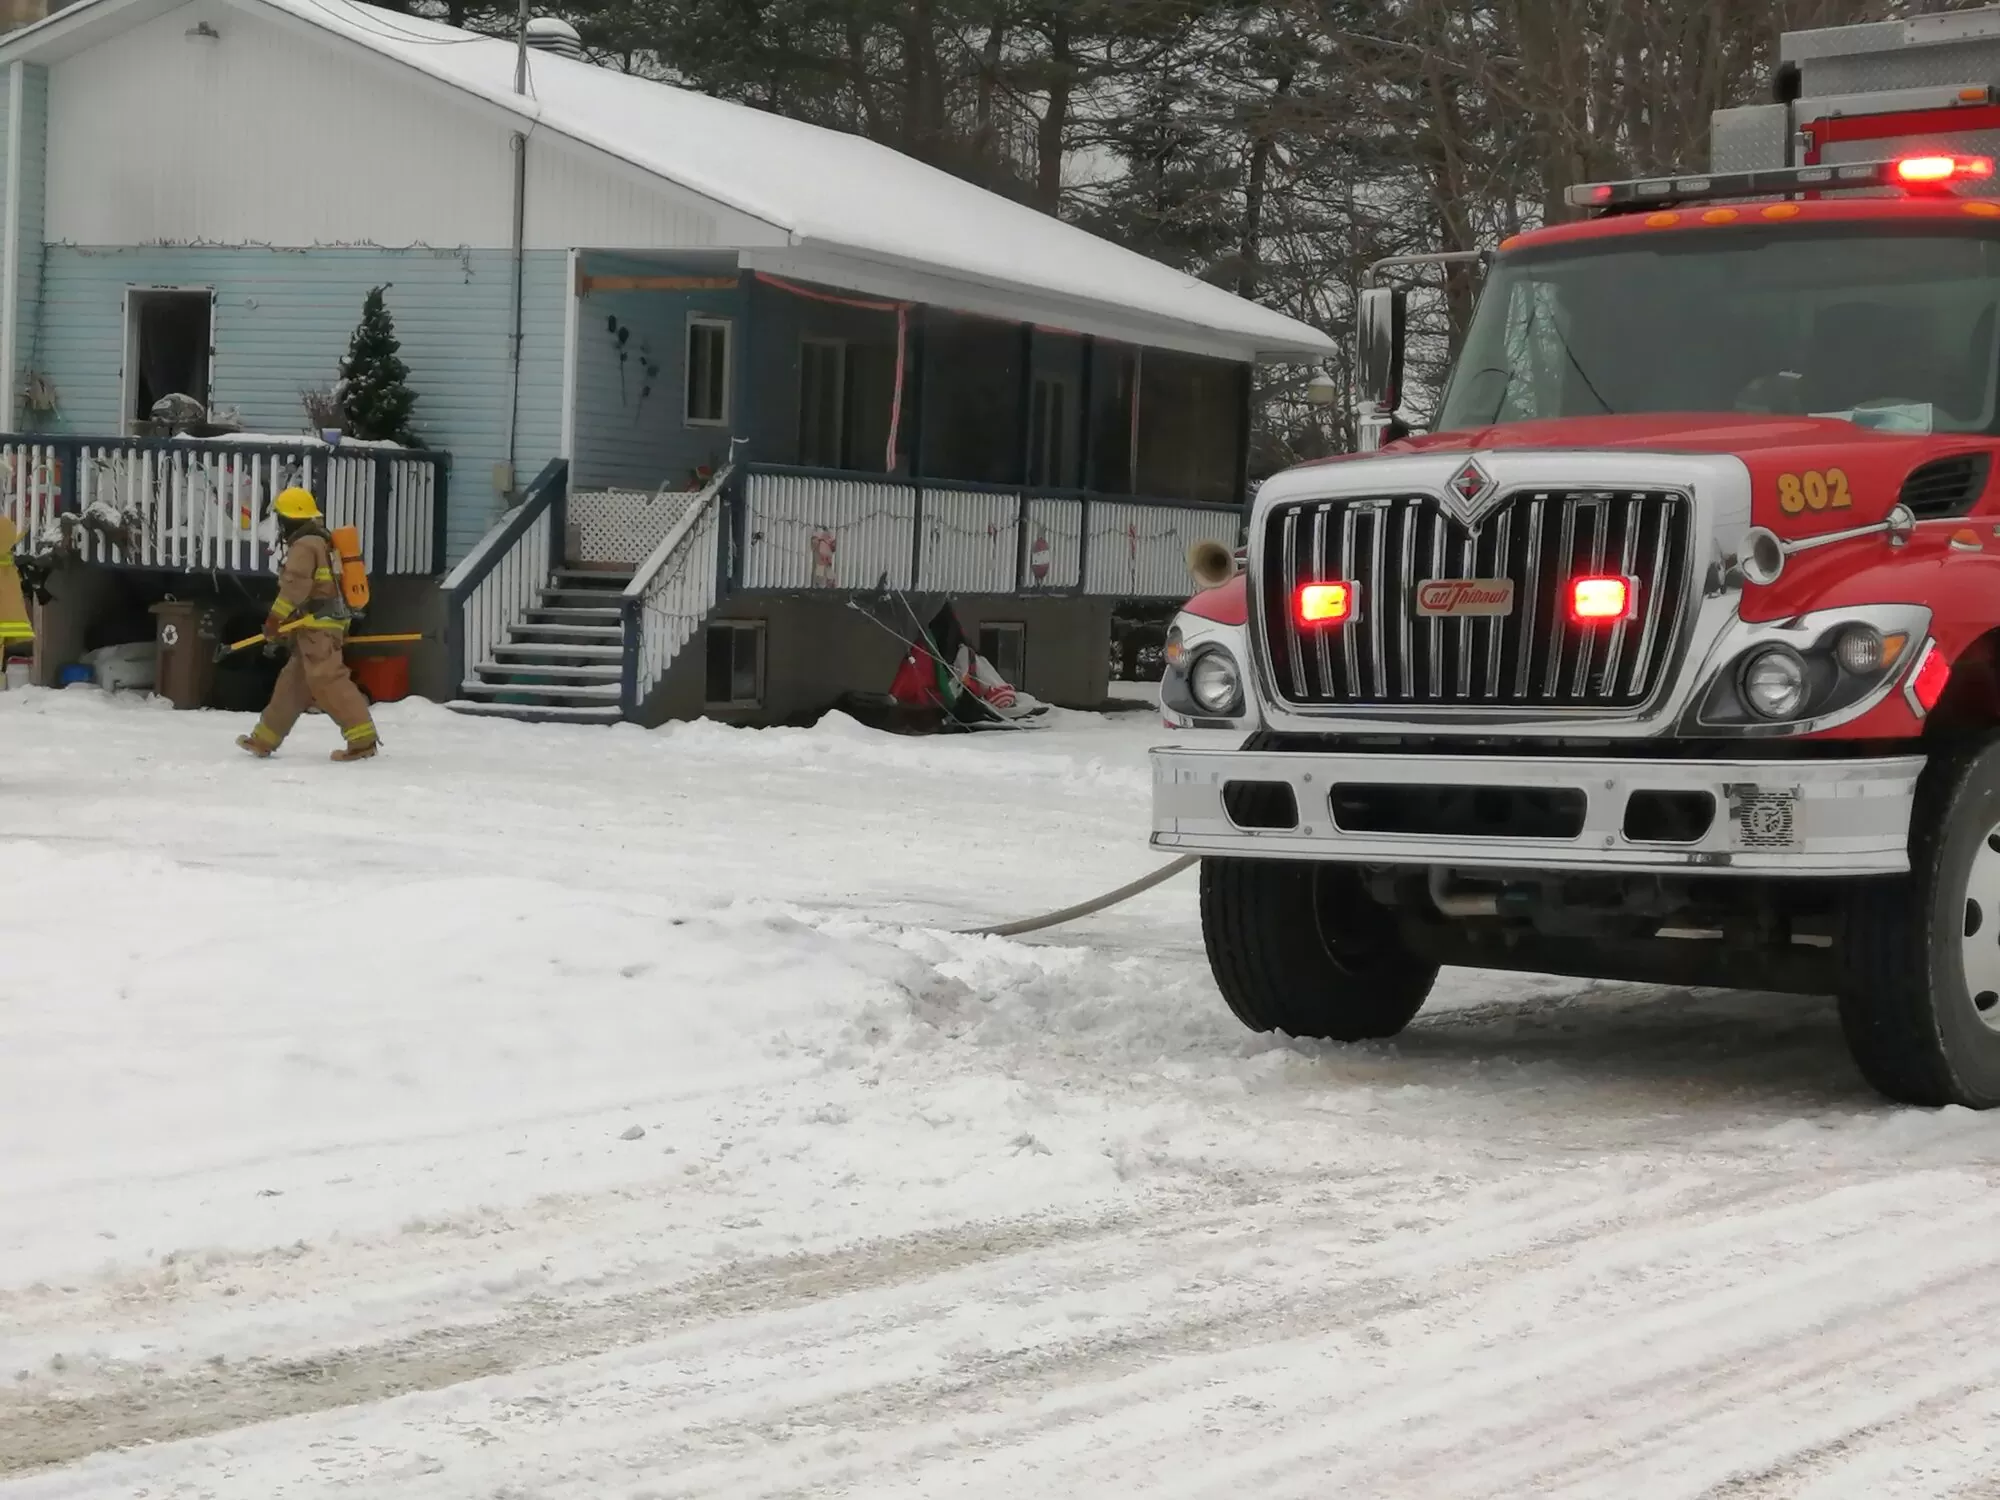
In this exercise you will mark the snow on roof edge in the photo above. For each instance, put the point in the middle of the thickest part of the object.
(1272, 345)
(1210, 311)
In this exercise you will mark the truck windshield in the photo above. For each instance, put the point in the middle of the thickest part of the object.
(1885, 329)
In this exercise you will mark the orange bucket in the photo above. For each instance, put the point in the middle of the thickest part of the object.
(385, 679)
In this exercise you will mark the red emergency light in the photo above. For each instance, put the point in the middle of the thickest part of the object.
(1597, 600)
(1326, 603)
(1928, 170)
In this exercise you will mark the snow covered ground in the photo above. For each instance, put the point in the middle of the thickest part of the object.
(548, 1112)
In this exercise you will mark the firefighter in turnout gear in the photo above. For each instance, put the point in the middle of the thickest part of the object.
(310, 603)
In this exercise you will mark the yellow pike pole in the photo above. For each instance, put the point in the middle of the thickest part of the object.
(352, 640)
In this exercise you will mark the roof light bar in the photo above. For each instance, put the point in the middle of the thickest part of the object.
(1943, 168)
(1910, 172)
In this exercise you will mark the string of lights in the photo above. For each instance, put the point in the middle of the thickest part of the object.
(763, 524)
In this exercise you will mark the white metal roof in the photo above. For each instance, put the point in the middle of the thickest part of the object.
(857, 213)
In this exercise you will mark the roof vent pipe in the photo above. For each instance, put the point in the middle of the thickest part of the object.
(553, 34)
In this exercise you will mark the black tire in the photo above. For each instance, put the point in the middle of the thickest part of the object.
(1911, 1019)
(1301, 948)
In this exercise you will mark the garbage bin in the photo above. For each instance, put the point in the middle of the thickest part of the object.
(188, 633)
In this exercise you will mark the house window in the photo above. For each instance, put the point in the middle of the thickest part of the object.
(708, 372)
(736, 664)
(1048, 433)
(1006, 647)
(823, 403)
(167, 349)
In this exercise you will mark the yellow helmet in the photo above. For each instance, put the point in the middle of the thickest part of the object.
(296, 504)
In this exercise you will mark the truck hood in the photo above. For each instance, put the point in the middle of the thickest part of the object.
(1791, 459)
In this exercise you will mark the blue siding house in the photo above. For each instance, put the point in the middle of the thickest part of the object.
(693, 380)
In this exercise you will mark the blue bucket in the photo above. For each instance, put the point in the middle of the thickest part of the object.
(73, 675)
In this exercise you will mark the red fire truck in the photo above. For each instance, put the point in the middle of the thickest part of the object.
(1671, 653)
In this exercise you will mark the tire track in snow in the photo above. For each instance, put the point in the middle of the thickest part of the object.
(1547, 1402)
(133, 1404)
(1064, 1424)
(875, 1382)
(1784, 1391)
(145, 1408)
(1083, 1256)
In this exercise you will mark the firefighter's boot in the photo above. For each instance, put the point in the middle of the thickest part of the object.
(260, 742)
(362, 743)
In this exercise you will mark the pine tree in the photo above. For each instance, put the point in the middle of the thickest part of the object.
(375, 396)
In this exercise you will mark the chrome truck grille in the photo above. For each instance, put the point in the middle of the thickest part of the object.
(1473, 654)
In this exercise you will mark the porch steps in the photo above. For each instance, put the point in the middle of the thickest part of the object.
(558, 692)
(527, 632)
(555, 651)
(530, 715)
(563, 661)
(530, 671)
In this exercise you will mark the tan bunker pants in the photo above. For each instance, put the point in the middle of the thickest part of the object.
(317, 673)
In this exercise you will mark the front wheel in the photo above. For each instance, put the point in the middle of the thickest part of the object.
(1920, 997)
(1301, 948)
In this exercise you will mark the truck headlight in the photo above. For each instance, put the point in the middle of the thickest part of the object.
(1773, 683)
(1215, 682)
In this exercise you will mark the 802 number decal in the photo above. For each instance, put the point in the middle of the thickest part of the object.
(1814, 490)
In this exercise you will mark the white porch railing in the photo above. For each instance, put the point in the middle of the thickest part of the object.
(503, 577)
(200, 505)
(672, 593)
(762, 530)
(818, 529)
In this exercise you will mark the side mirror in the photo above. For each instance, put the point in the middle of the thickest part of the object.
(1379, 331)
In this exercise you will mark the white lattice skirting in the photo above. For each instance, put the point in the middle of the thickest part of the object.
(623, 526)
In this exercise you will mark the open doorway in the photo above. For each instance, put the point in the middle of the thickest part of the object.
(168, 343)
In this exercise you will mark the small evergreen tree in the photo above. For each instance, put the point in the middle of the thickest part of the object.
(375, 397)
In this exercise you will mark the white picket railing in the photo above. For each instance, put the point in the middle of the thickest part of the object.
(827, 531)
(672, 593)
(502, 578)
(812, 529)
(205, 506)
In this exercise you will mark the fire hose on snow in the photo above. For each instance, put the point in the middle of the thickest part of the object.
(1068, 913)
(1086, 908)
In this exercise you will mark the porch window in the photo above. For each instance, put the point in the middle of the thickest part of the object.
(1006, 646)
(1114, 385)
(736, 664)
(167, 348)
(1048, 433)
(1190, 427)
(708, 372)
(823, 403)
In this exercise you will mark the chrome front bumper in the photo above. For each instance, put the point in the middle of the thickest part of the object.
(1804, 817)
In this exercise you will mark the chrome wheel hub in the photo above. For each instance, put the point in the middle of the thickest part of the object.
(1980, 944)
